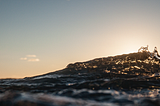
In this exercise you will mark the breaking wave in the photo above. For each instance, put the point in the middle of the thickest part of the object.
(124, 80)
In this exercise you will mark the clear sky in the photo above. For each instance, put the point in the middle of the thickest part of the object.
(41, 36)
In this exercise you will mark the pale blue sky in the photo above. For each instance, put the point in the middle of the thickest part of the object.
(59, 32)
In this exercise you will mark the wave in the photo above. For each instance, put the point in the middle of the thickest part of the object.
(123, 80)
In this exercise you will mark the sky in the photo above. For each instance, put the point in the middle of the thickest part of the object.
(41, 36)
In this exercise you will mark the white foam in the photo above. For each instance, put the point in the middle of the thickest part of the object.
(48, 76)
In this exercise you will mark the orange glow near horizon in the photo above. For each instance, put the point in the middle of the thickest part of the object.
(51, 35)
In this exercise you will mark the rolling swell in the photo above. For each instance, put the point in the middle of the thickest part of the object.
(129, 79)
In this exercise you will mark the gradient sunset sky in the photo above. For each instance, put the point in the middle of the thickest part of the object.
(41, 36)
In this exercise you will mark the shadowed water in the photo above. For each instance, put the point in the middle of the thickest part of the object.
(124, 80)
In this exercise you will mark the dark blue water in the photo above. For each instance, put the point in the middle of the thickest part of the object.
(126, 80)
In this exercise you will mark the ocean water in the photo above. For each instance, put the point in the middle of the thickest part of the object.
(80, 90)
(112, 81)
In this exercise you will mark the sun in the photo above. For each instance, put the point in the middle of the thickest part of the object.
(129, 51)
(130, 48)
